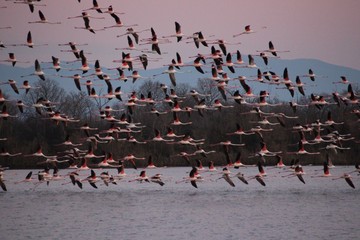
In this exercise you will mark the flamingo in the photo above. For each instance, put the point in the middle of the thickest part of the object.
(2, 184)
(157, 179)
(186, 156)
(218, 105)
(198, 38)
(265, 152)
(197, 64)
(31, 4)
(272, 50)
(86, 17)
(76, 77)
(298, 172)
(347, 178)
(310, 75)
(38, 71)
(171, 134)
(171, 72)
(326, 171)
(4, 113)
(159, 138)
(92, 179)
(28, 178)
(342, 81)
(130, 157)
(295, 105)
(134, 33)
(142, 177)
(110, 10)
(177, 122)
(118, 22)
(95, 7)
(194, 177)
(318, 138)
(12, 59)
(29, 42)
(73, 47)
(21, 106)
(12, 84)
(121, 172)
(68, 142)
(178, 33)
(302, 151)
(247, 30)
(187, 140)
(154, 41)
(226, 176)
(74, 179)
(228, 143)
(202, 152)
(39, 153)
(5, 153)
(43, 19)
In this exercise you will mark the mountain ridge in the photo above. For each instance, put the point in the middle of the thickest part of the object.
(327, 74)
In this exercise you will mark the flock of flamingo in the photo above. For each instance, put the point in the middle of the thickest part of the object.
(79, 157)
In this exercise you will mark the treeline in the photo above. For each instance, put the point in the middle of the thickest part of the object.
(29, 129)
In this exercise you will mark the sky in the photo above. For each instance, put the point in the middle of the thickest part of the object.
(326, 29)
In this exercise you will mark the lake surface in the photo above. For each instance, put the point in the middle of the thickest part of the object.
(285, 209)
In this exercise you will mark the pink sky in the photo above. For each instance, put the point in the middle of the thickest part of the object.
(326, 30)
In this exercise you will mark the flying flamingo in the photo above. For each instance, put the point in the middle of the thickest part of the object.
(134, 33)
(347, 178)
(154, 41)
(21, 106)
(92, 179)
(238, 162)
(86, 17)
(141, 178)
(29, 42)
(302, 151)
(157, 179)
(247, 30)
(4, 113)
(110, 10)
(12, 59)
(118, 22)
(12, 84)
(95, 7)
(44, 20)
(194, 177)
(28, 178)
(177, 122)
(39, 153)
(343, 80)
(178, 33)
(38, 71)
(226, 176)
(31, 4)
(159, 138)
(298, 172)
(2, 184)
(198, 38)
(73, 47)
(5, 153)
(272, 49)
(130, 157)
(202, 152)
(265, 152)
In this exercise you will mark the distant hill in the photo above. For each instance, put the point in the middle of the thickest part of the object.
(327, 73)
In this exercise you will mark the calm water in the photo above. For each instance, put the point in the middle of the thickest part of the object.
(284, 209)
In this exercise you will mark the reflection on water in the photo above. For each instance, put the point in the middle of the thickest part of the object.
(284, 209)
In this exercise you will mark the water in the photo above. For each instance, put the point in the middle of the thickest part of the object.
(284, 209)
